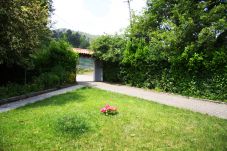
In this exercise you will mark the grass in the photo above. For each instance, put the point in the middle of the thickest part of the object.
(73, 121)
(85, 71)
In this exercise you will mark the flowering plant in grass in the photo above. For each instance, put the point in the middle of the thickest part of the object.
(109, 110)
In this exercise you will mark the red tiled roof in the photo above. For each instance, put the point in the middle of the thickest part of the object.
(83, 51)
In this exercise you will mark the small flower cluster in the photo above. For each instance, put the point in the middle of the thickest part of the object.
(109, 110)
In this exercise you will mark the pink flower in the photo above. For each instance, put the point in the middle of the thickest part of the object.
(107, 106)
(113, 108)
(109, 109)
(103, 110)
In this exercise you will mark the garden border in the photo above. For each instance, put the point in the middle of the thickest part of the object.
(24, 96)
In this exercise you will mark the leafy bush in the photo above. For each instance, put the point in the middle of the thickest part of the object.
(108, 48)
(111, 72)
(54, 66)
(48, 80)
(59, 53)
(13, 89)
(174, 46)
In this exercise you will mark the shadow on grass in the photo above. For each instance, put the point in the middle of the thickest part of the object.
(59, 100)
(72, 125)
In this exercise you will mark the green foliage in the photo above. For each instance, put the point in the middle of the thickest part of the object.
(76, 39)
(27, 51)
(84, 71)
(23, 29)
(54, 66)
(205, 86)
(84, 42)
(178, 47)
(108, 48)
(59, 53)
(111, 72)
(13, 89)
(175, 46)
(48, 80)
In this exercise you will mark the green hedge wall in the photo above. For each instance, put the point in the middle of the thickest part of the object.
(160, 76)
(111, 72)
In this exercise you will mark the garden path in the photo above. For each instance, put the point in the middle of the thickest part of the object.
(196, 105)
(217, 109)
(85, 77)
(23, 102)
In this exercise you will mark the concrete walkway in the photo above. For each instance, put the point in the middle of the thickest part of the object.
(14, 105)
(85, 77)
(196, 105)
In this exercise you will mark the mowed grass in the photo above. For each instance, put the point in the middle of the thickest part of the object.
(73, 121)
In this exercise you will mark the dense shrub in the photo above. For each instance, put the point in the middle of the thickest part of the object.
(58, 55)
(13, 89)
(177, 51)
(173, 46)
(54, 66)
(48, 80)
(111, 72)
(110, 50)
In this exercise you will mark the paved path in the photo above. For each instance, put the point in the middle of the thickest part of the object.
(85, 77)
(205, 107)
(196, 105)
(37, 98)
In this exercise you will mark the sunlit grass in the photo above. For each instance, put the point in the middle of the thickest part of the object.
(73, 122)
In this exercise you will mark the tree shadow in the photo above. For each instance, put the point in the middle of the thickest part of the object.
(72, 125)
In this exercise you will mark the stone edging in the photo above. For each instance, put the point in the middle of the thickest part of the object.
(20, 97)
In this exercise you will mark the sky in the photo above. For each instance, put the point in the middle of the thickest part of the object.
(94, 16)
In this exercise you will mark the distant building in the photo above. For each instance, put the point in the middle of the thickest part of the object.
(87, 61)
(85, 58)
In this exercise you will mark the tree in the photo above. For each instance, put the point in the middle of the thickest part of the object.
(188, 34)
(23, 29)
(108, 48)
(76, 39)
(179, 46)
(84, 42)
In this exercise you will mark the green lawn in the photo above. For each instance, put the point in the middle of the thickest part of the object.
(73, 122)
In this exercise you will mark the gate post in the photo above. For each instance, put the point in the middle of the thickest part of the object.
(98, 73)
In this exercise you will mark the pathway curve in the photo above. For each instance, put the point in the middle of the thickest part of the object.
(23, 102)
(196, 105)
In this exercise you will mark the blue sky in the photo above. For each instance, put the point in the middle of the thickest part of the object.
(94, 16)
